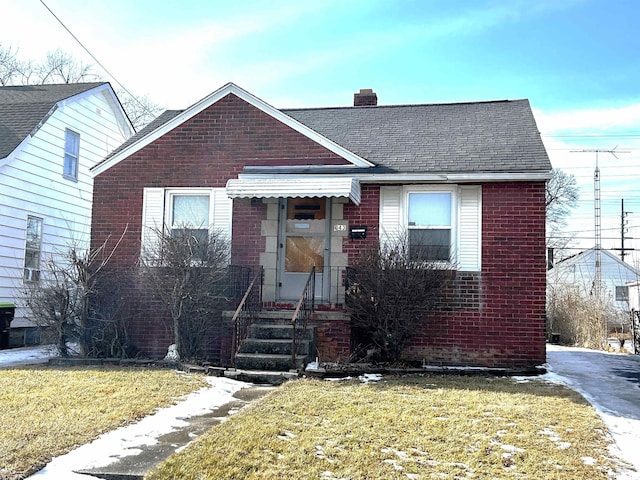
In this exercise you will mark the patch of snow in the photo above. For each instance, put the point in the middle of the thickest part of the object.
(127, 440)
(511, 448)
(13, 357)
(370, 377)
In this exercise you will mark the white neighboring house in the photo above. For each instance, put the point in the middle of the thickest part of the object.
(50, 136)
(580, 271)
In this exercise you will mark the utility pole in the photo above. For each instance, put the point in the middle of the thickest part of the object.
(623, 230)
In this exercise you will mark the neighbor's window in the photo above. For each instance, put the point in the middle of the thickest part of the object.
(622, 294)
(430, 226)
(32, 250)
(190, 214)
(71, 153)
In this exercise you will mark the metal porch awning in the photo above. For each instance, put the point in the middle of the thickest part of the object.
(295, 187)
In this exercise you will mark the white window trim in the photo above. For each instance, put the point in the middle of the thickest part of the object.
(453, 190)
(32, 275)
(170, 193)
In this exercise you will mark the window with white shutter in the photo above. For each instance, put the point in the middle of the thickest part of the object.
(440, 223)
(200, 210)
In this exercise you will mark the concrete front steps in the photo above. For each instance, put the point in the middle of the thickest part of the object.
(269, 342)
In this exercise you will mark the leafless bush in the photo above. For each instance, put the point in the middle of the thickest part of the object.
(61, 301)
(188, 272)
(578, 317)
(390, 294)
(110, 312)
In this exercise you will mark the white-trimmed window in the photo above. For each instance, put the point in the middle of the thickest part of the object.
(71, 154)
(190, 213)
(200, 210)
(33, 249)
(430, 225)
(441, 223)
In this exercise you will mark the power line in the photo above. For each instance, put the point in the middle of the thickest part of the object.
(142, 105)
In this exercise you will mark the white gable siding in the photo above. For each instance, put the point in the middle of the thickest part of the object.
(32, 184)
(579, 272)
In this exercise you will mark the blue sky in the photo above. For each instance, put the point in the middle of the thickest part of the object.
(577, 62)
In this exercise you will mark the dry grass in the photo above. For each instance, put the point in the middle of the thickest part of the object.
(46, 412)
(409, 428)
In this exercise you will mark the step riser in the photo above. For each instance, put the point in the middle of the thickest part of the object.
(277, 332)
(251, 345)
(268, 363)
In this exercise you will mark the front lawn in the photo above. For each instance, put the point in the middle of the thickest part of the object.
(443, 427)
(46, 412)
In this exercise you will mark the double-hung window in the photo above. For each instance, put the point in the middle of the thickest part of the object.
(440, 223)
(189, 215)
(71, 154)
(430, 225)
(33, 248)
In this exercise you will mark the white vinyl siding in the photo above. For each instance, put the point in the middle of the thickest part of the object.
(391, 227)
(152, 217)
(157, 212)
(466, 219)
(470, 228)
(32, 183)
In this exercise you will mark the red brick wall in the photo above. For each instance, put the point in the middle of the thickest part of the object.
(492, 318)
(367, 214)
(502, 319)
(204, 151)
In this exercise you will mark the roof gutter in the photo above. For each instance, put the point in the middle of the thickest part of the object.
(480, 177)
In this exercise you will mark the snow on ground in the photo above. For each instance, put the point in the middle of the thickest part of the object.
(609, 381)
(27, 355)
(129, 440)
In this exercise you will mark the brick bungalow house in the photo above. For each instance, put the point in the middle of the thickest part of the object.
(300, 187)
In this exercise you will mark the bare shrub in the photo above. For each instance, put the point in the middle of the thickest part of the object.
(188, 271)
(391, 294)
(61, 303)
(578, 317)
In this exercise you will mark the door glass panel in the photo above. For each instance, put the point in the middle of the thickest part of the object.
(306, 215)
(303, 253)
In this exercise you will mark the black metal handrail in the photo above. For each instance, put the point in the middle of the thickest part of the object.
(246, 313)
(304, 309)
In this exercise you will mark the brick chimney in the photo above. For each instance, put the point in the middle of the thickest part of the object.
(365, 98)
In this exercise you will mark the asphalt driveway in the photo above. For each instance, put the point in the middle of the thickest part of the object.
(611, 383)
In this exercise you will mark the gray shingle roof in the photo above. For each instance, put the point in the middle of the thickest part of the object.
(23, 107)
(481, 137)
(499, 136)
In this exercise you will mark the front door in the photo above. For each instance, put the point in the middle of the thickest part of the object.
(303, 244)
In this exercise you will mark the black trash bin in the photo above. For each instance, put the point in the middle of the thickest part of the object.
(7, 310)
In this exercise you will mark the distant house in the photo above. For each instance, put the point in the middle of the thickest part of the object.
(579, 271)
(50, 136)
(297, 188)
